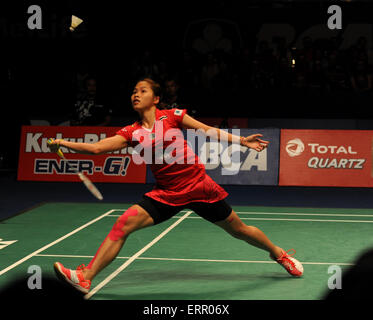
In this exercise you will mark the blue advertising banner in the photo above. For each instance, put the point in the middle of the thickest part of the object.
(234, 164)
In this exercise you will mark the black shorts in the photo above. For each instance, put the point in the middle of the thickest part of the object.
(160, 212)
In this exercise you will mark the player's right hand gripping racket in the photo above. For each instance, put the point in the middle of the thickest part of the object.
(88, 183)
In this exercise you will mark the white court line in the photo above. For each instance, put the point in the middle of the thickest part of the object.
(306, 214)
(196, 260)
(278, 219)
(290, 213)
(135, 256)
(53, 243)
(309, 220)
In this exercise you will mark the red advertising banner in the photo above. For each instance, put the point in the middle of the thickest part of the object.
(341, 158)
(36, 162)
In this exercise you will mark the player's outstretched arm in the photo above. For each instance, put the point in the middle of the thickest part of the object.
(253, 141)
(214, 133)
(106, 145)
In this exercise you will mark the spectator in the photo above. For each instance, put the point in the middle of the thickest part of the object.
(213, 82)
(361, 46)
(283, 76)
(80, 77)
(171, 95)
(165, 68)
(316, 80)
(261, 77)
(145, 66)
(210, 72)
(336, 75)
(361, 77)
(264, 63)
(307, 50)
(300, 82)
(302, 63)
(281, 50)
(174, 97)
(89, 109)
(188, 70)
(243, 67)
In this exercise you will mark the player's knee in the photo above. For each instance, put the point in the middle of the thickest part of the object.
(239, 232)
(122, 227)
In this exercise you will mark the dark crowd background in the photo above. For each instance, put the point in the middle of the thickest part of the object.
(229, 59)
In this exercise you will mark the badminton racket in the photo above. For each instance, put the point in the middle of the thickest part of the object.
(88, 183)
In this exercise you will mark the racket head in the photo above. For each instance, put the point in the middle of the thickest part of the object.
(90, 186)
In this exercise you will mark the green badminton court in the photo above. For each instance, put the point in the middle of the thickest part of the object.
(186, 257)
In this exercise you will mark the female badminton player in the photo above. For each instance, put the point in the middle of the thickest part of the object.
(179, 184)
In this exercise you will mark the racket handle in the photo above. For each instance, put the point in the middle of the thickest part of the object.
(59, 152)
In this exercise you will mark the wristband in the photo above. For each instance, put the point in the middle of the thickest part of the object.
(241, 139)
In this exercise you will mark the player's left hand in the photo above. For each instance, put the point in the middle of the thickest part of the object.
(254, 142)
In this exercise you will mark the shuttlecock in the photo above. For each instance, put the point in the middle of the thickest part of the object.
(75, 21)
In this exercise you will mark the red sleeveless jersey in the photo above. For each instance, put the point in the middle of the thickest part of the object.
(180, 176)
